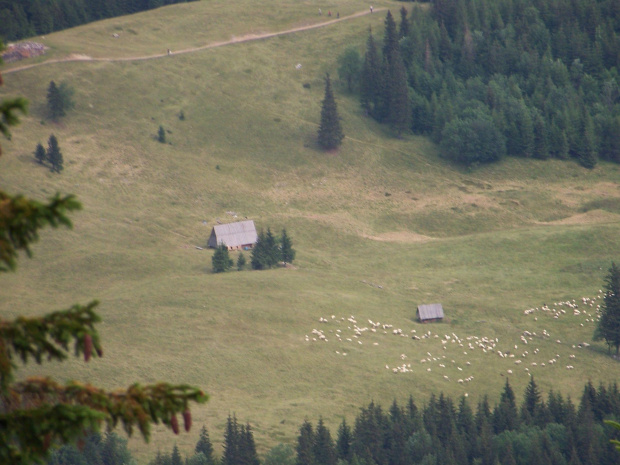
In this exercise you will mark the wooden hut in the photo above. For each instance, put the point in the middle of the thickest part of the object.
(429, 313)
(236, 236)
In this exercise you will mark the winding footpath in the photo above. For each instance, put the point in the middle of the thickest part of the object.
(234, 40)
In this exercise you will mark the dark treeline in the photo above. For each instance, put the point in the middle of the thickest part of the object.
(27, 18)
(444, 431)
(441, 432)
(487, 78)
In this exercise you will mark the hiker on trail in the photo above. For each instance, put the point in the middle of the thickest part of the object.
(337, 14)
(169, 52)
(371, 8)
(329, 13)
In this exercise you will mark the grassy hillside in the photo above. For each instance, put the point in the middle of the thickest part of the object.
(379, 226)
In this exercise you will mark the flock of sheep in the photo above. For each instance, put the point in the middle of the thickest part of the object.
(447, 354)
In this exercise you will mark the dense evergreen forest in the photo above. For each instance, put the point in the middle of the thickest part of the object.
(488, 78)
(27, 18)
(441, 432)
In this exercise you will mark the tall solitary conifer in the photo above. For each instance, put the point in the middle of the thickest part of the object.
(330, 130)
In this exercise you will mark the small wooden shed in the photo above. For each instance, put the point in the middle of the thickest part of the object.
(236, 236)
(429, 313)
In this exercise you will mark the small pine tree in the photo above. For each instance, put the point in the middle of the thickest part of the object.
(272, 250)
(204, 446)
(53, 155)
(231, 442)
(399, 104)
(287, 252)
(403, 31)
(257, 257)
(247, 446)
(39, 154)
(54, 105)
(323, 446)
(390, 40)
(305, 445)
(175, 457)
(182, 116)
(330, 130)
(241, 261)
(161, 135)
(59, 99)
(221, 260)
(266, 251)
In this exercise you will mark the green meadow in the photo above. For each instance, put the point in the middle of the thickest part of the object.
(380, 226)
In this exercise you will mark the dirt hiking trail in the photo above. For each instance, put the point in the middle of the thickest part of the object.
(235, 40)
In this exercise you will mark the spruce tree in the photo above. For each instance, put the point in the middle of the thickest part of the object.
(505, 414)
(344, 441)
(221, 260)
(247, 446)
(161, 135)
(323, 447)
(175, 457)
(390, 39)
(204, 446)
(39, 154)
(54, 103)
(399, 105)
(53, 155)
(272, 250)
(231, 442)
(257, 259)
(403, 30)
(305, 445)
(608, 327)
(531, 403)
(59, 99)
(286, 248)
(330, 130)
(588, 157)
(371, 77)
(241, 261)
(266, 251)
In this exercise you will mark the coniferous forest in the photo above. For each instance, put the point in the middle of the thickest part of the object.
(442, 431)
(489, 78)
(27, 18)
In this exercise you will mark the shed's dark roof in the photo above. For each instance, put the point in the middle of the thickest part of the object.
(233, 234)
(430, 311)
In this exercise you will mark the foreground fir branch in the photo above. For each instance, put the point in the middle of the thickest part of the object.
(21, 218)
(47, 337)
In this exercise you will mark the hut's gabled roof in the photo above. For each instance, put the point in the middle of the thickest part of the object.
(430, 311)
(233, 234)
